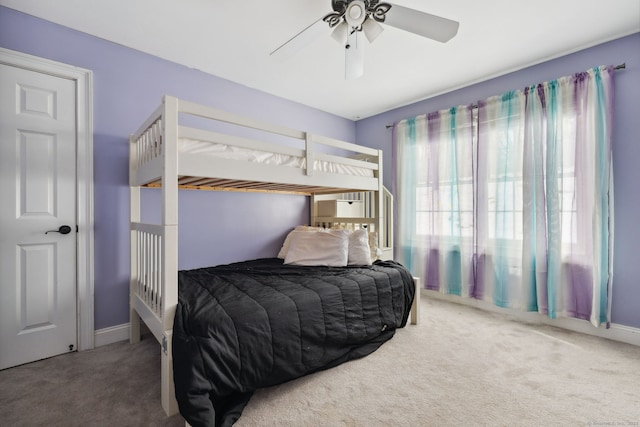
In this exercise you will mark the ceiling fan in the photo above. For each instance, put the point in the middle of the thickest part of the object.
(354, 20)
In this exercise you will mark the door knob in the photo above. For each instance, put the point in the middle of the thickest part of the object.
(64, 229)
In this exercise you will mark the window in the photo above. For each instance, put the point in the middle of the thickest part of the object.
(512, 203)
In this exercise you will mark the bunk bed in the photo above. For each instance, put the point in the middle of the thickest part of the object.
(183, 145)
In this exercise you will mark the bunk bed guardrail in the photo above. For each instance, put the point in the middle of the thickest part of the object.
(156, 143)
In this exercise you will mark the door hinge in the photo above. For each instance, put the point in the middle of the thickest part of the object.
(164, 344)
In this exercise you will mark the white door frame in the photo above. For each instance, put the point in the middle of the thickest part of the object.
(84, 180)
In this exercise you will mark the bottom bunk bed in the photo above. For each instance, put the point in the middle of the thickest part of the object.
(239, 327)
(248, 325)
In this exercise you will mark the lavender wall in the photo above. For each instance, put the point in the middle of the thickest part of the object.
(626, 147)
(128, 85)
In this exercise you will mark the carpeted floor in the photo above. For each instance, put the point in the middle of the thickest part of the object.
(460, 367)
(114, 385)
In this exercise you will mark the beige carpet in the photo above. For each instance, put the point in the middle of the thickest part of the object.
(460, 367)
(465, 367)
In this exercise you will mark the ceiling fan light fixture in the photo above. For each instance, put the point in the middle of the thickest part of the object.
(339, 33)
(371, 29)
(355, 13)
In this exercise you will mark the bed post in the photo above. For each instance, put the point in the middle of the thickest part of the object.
(134, 216)
(379, 204)
(308, 152)
(308, 147)
(170, 248)
(313, 213)
(415, 306)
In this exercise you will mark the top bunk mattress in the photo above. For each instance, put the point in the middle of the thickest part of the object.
(232, 152)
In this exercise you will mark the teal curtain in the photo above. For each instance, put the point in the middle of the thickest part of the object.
(435, 197)
(513, 203)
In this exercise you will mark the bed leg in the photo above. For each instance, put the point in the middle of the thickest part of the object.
(415, 306)
(168, 392)
(134, 326)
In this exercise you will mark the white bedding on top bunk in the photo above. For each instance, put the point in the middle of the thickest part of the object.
(224, 151)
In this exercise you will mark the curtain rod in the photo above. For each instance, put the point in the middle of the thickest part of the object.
(617, 67)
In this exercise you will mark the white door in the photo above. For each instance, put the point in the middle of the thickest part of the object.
(37, 194)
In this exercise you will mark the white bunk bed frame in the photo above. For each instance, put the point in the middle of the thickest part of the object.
(155, 161)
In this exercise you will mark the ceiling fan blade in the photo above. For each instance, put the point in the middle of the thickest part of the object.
(301, 40)
(421, 23)
(354, 56)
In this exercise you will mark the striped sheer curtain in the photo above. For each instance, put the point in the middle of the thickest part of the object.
(514, 205)
(435, 198)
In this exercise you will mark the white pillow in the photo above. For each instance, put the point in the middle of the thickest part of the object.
(326, 247)
(359, 250)
(287, 241)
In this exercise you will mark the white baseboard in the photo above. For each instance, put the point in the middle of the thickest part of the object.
(616, 332)
(111, 335)
(116, 333)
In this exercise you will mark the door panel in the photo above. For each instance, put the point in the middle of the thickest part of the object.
(37, 196)
(36, 174)
(36, 305)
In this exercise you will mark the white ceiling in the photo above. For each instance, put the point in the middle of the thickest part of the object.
(232, 39)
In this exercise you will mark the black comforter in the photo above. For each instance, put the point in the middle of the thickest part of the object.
(248, 325)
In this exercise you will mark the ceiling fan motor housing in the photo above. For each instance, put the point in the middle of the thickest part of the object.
(355, 12)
